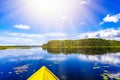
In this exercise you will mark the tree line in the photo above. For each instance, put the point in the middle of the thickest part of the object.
(82, 43)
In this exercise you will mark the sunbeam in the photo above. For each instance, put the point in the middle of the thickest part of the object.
(58, 15)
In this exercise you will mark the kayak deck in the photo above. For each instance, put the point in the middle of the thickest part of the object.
(43, 74)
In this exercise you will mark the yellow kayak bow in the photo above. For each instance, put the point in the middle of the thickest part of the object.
(43, 74)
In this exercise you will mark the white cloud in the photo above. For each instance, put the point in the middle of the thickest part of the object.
(17, 41)
(14, 38)
(83, 2)
(22, 26)
(111, 18)
(26, 35)
(11, 38)
(56, 34)
(110, 33)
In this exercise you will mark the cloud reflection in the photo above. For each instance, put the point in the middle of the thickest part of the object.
(14, 55)
(113, 58)
(26, 58)
(29, 54)
(116, 75)
(60, 57)
(37, 54)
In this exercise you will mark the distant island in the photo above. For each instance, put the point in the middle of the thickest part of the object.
(87, 46)
(82, 43)
(18, 46)
(83, 46)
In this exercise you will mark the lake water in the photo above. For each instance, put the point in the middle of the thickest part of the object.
(19, 64)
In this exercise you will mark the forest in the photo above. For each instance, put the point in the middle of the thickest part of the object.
(90, 42)
(84, 46)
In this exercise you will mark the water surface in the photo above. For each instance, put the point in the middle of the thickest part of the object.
(19, 64)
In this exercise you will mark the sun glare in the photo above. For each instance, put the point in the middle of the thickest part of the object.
(45, 8)
(54, 13)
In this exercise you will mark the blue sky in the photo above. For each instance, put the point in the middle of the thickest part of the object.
(33, 22)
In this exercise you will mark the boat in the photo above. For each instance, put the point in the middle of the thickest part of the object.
(43, 74)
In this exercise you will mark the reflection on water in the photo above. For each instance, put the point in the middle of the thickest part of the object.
(19, 64)
(92, 50)
(113, 58)
(21, 69)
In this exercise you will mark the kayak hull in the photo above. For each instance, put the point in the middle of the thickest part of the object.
(43, 74)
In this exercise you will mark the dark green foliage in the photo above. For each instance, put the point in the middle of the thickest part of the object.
(13, 47)
(87, 46)
(80, 43)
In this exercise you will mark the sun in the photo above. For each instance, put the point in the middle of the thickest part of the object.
(45, 8)
(54, 15)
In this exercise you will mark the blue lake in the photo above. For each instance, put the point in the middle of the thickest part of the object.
(20, 64)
